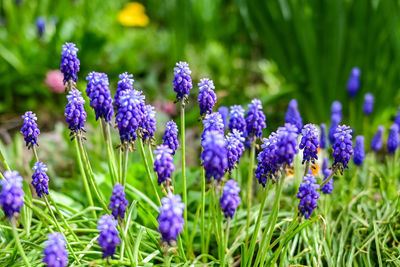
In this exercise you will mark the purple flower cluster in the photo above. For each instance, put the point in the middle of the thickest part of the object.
(182, 81)
(353, 84)
(118, 202)
(40, 26)
(326, 172)
(224, 111)
(130, 115)
(170, 137)
(163, 163)
(342, 147)
(308, 195)
(69, 62)
(125, 83)
(293, 115)
(393, 138)
(235, 147)
(170, 219)
(108, 239)
(309, 143)
(55, 253)
(40, 180)
(213, 122)
(237, 120)
(214, 156)
(149, 123)
(11, 195)
(322, 136)
(376, 142)
(255, 120)
(230, 199)
(335, 121)
(75, 114)
(99, 94)
(359, 151)
(30, 129)
(207, 96)
(368, 106)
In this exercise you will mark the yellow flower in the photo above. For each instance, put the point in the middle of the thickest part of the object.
(133, 14)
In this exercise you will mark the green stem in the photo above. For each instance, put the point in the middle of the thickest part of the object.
(85, 180)
(35, 155)
(3, 160)
(146, 164)
(203, 204)
(124, 166)
(105, 127)
(226, 240)
(128, 251)
(151, 154)
(327, 180)
(18, 243)
(219, 225)
(249, 190)
(183, 159)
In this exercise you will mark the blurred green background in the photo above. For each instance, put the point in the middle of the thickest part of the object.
(272, 50)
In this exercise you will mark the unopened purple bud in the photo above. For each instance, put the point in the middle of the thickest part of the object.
(322, 136)
(237, 120)
(40, 25)
(182, 81)
(149, 123)
(99, 94)
(359, 151)
(125, 83)
(170, 137)
(309, 143)
(393, 138)
(207, 96)
(30, 129)
(118, 202)
(235, 147)
(40, 180)
(353, 84)
(163, 163)
(293, 115)
(336, 109)
(342, 147)
(368, 106)
(328, 188)
(255, 120)
(376, 142)
(224, 111)
(75, 114)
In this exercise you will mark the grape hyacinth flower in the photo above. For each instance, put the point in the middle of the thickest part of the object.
(224, 111)
(393, 138)
(75, 114)
(149, 123)
(40, 180)
(130, 115)
(125, 83)
(376, 142)
(255, 120)
(170, 220)
(309, 143)
(237, 120)
(213, 122)
(69, 65)
(40, 26)
(98, 91)
(118, 202)
(55, 253)
(207, 96)
(163, 163)
(182, 81)
(30, 129)
(170, 137)
(342, 147)
(230, 199)
(286, 143)
(235, 148)
(108, 239)
(322, 137)
(368, 106)
(328, 188)
(336, 109)
(353, 84)
(335, 121)
(267, 162)
(359, 152)
(214, 156)
(11, 195)
(293, 115)
(308, 195)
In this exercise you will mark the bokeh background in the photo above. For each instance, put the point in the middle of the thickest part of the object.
(272, 50)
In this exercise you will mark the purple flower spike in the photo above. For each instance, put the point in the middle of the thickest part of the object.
(11, 195)
(342, 148)
(108, 239)
(182, 81)
(99, 94)
(309, 143)
(267, 162)
(308, 196)
(393, 138)
(328, 188)
(376, 142)
(163, 163)
(118, 202)
(359, 152)
(336, 109)
(149, 124)
(130, 115)
(214, 156)
(30, 129)
(293, 115)
(335, 121)
(125, 83)
(322, 137)
(207, 96)
(353, 84)
(69, 65)
(170, 137)
(224, 111)
(40, 26)
(170, 219)
(230, 199)
(213, 122)
(255, 120)
(40, 180)
(55, 252)
(237, 120)
(235, 147)
(75, 114)
(368, 106)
